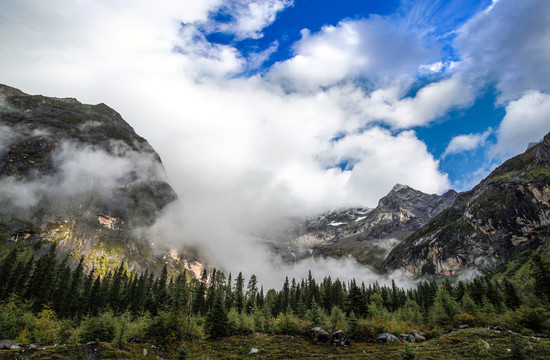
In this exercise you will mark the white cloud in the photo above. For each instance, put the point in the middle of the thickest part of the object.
(388, 104)
(239, 151)
(250, 17)
(383, 160)
(371, 48)
(508, 44)
(469, 142)
(527, 120)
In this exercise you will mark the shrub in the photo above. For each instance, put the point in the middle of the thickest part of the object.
(167, 327)
(368, 329)
(194, 327)
(128, 328)
(535, 319)
(100, 328)
(182, 353)
(408, 352)
(337, 320)
(288, 324)
(47, 328)
(15, 316)
(465, 319)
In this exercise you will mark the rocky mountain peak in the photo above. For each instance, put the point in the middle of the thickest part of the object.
(543, 152)
(76, 175)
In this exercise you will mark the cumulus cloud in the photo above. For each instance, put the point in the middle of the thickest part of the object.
(239, 151)
(249, 17)
(469, 142)
(509, 44)
(382, 160)
(527, 120)
(371, 48)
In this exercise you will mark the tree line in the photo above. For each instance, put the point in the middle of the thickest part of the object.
(218, 305)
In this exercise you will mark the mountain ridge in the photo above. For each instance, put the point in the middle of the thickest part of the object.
(506, 213)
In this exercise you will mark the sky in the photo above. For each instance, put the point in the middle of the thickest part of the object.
(267, 108)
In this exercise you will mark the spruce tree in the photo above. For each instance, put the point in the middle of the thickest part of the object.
(239, 293)
(216, 321)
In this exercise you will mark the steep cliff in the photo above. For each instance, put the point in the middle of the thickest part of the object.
(79, 176)
(507, 213)
(366, 234)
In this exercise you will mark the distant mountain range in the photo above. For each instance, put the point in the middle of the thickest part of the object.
(366, 234)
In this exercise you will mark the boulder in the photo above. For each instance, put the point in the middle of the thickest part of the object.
(253, 351)
(5, 344)
(319, 334)
(463, 327)
(407, 338)
(136, 340)
(386, 337)
(340, 339)
(418, 335)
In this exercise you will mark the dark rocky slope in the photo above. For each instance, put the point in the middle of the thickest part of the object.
(79, 176)
(507, 213)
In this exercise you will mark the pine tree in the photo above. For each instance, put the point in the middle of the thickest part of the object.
(239, 293)
(355, 301)
(216, 321)
(285, 296)
(511, 298)
(468, 305)
(199, 301)
(161, 291)
(6, 269)
(73, 300)
(316, 315)
(541, 273)
(251, 292)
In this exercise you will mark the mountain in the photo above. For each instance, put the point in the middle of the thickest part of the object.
(507, 214)
(366, 234)
(78, 176)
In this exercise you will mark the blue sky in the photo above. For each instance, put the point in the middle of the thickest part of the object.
(442, 17)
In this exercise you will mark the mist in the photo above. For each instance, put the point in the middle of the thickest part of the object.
(219, 236)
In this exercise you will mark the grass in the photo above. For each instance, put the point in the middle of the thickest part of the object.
(463, 344)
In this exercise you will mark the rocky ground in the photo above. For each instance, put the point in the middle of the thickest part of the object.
(477, 343)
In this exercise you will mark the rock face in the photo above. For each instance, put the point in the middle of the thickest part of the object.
(508, 212)
(367, 234)
(79, 176)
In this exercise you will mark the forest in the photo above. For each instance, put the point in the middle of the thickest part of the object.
(46, 301)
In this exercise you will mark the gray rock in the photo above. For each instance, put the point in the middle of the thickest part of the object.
(5, 344)
(463, 327)
(16, 346)
(418, 335)
(340, 339)
(386, 337)
(319, 334)
(253, 351)
(407, 338)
